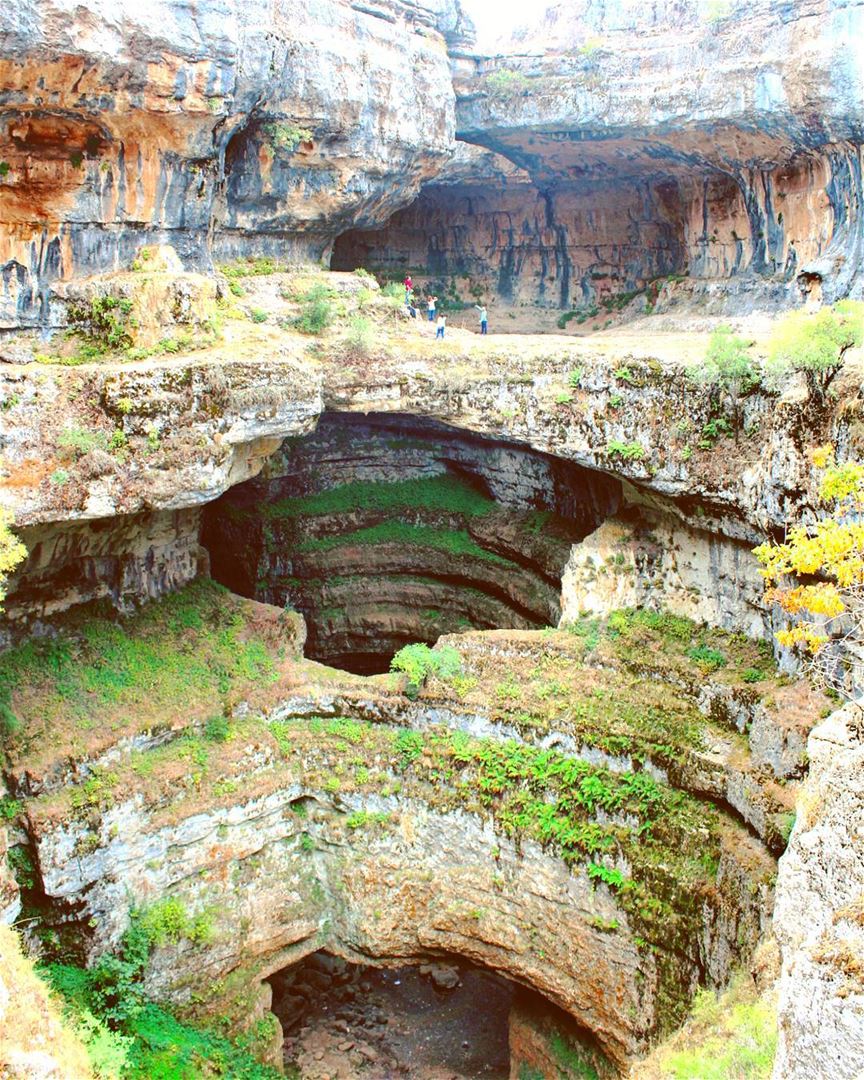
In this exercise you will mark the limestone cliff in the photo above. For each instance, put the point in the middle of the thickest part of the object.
(269, 126)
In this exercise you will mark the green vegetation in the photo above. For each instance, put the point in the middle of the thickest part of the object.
(287, 137)
(453, 541)
(105, 323)
(168, 922)
(317, 311)
(12, 552)
(360, 334)
(816, 343)
(127, 1035)
(4, 168)
(631, 451)
(712, 659)
(570, 1059)
(262, 266)
(95, 667)
(728, 1036)
(445, 492)
(506, 83)
(418, 662)
(728, 371)
(258, 315)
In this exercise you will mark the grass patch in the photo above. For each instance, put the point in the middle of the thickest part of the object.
(446, 493)
(188, 648)
(453, 541)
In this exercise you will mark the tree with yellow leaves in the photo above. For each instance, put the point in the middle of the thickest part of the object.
(830, 606)
(12, 551)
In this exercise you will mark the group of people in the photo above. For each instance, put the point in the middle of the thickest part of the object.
(434, 315)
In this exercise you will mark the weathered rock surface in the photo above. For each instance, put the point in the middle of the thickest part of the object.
(819, 915)
(322, 820)
(722, 144)
(278, 125)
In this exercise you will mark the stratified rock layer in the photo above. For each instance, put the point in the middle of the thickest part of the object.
(278, 126)
(819, 918)
(537, 816)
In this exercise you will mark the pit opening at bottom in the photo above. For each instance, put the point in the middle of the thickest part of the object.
(430, 1021)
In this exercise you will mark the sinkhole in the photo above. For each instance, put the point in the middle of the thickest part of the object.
(444, 1017)
(388, 529)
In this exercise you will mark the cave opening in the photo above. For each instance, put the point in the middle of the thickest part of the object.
(343, 1019)
(441, 1017)
(384, 530)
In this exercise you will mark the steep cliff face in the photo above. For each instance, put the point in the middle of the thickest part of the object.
(577, 845)
(722, 144)
(274, 126)
(388, 530)
(820, 911)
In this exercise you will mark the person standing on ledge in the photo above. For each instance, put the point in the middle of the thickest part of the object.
(442, 322)
(430, 307)
(483, 319)
(409, 287)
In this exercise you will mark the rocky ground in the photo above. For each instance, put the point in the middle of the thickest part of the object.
(432, 1022)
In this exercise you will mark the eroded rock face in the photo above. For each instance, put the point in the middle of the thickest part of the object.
(819, 918)
(628, 169)
(282, 125)
(322, 822)
(759, 238)
(387, 530)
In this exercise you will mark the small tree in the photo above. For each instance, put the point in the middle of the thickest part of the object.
(816, 343)
(728, 370)
(827, 558)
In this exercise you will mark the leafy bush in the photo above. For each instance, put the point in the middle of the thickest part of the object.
(258, 315)
(505, 83)
(360, 334)
(628, 451)
(728, 370)
(167, 922)
(816, 343)
(217, 729)
(106, 321)
(317, 311)
(598, 872)
(282, 136)
(12, 551)
(418, 661)
(707, 657)
(827, 559)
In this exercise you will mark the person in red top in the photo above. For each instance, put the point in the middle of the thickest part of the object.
(409, 287)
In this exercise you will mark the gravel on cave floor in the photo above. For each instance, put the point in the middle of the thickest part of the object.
(384, 1025)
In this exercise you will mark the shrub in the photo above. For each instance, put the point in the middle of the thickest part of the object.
(597, 872)
(317, 310)
(217, 729)
(360, 334)
(827, 558)
(418, 661)
(705, 656)
(727, 370)
(628, 451)
(816, 343)
(258, 315)
(106, 321)
(505, 83)
(282, 136)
